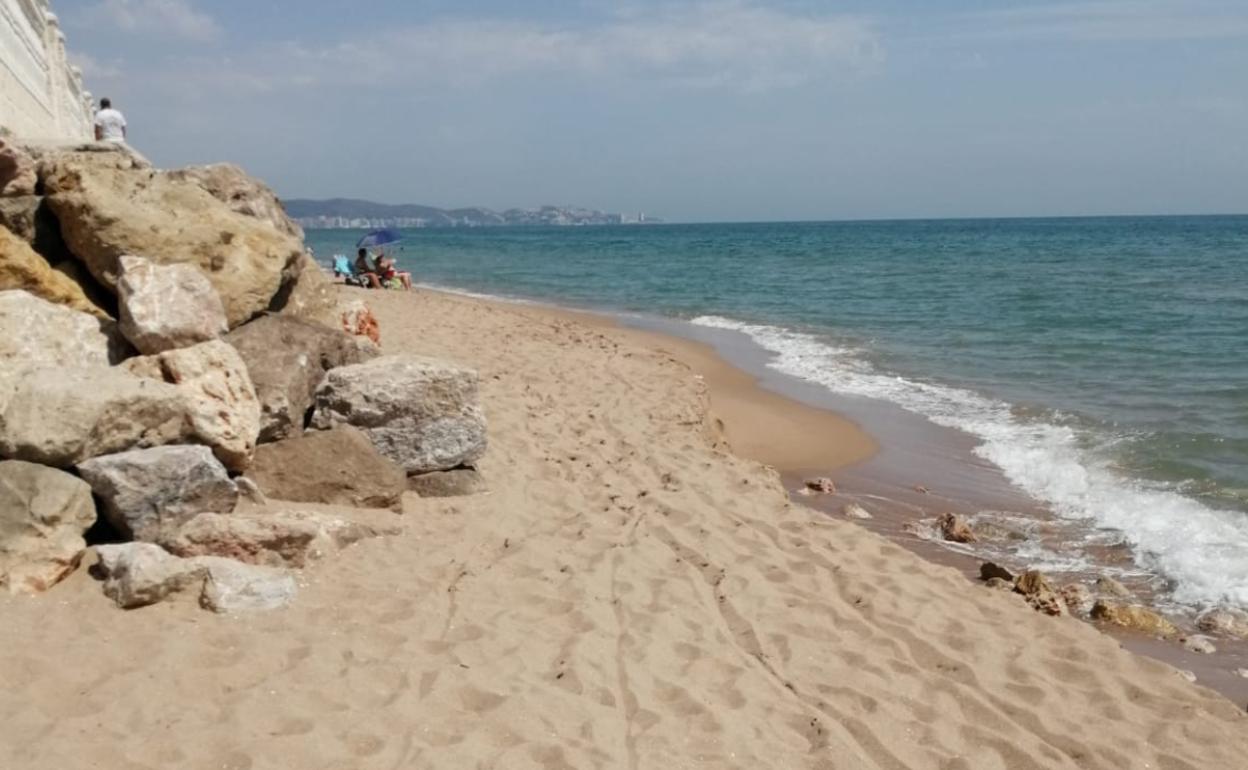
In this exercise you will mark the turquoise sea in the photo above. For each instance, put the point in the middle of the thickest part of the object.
(1101, 363)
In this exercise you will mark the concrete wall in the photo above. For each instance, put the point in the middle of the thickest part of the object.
(41, 95)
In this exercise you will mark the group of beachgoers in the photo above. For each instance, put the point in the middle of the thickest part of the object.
(376, 272)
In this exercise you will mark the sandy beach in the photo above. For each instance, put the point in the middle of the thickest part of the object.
(636, 590)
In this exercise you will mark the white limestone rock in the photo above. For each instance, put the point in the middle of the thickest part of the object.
(222, 407)
(63, 415)
(422, 413)
(139, 574)
(43, 515)
(35, 331)
(164, 307)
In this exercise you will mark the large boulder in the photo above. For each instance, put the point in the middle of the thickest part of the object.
(34, 331)
(18, 170)
(287, 358)
(141, 574)
(149, 493)
(164, 307)
(22, 268)
(243, 193)
(107, 211)
(43, 515)
(422, 413)
(221, 402)
(283, 538)
(339, 466)
(63, 415)
(309, 295)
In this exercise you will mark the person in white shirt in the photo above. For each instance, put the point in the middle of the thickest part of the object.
(110, 124)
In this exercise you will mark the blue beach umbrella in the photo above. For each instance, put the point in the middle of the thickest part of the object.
(383, 237)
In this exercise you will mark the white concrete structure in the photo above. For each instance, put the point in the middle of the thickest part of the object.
(41, 95)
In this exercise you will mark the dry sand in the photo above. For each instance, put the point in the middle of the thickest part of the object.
(628, 595)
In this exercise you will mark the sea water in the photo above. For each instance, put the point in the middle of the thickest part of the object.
(1102, 364)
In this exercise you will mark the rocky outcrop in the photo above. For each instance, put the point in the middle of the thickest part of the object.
(18, 173)
(63, 415)
(107, 209)
(149, 493)
(309, 295)
(822, 485)
(140, 574)
(989, 570)
(244, 194)
(164, 307)
(292, 539)
(422, 413)
(338, 466)
(1135, 618)
(221, 403)
(459, 482)
(34, 331)
(358, 320)
(43, 515)
(287, 358)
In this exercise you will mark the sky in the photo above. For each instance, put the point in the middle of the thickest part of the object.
(712, 110)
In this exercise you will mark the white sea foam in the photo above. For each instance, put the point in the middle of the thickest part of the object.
(1202, 552)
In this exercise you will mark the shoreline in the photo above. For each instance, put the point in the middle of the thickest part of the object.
(804, 431)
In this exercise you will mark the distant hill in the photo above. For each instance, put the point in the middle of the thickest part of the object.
(354, 213)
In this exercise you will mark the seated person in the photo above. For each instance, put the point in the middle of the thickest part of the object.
(388, 272)
(365, 271)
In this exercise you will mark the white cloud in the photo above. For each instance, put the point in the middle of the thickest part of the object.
(177, 18)
(719, 44)
(93, 69)
(1140, 20)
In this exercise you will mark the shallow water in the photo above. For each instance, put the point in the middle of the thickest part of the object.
(1101, 363)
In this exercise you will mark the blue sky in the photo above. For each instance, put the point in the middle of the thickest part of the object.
(701, 111)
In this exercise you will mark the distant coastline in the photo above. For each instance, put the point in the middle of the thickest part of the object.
(353, 213)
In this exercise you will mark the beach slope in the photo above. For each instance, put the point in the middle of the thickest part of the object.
(629, 594)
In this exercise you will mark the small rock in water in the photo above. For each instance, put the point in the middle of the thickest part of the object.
(955, 529)
(988, 571)
(1242, 672)
(1135, 618)
(823, 485)
(1228, 622)
(856, 511)
(1110, 587)
(1198, 643)
(1188, 675)
(1035, 587)
(922, 490)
